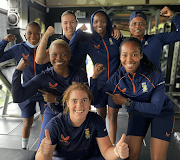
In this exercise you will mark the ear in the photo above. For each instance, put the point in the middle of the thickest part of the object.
(67, 103)
(141, 55)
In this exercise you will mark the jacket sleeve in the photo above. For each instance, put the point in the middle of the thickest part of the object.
(8, 54)
(77, 46)
(155, 105)
(21, 93)
(171, 37)
(99, 94)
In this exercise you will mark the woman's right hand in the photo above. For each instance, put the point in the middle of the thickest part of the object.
(10, 38)
(23, 63)
(45, 147)
(98, 69)
(83, 27)
(50, 31)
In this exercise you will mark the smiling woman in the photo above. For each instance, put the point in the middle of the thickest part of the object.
(52, 81)
(79, 129)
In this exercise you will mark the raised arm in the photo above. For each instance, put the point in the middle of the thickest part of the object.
(99, 94)
(42, 54)
(8, 54)
(174, 36)
(21, 93)
(77, 46)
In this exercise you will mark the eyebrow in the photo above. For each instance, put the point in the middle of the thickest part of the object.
(76, 99)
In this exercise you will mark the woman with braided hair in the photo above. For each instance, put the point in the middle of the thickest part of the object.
(140, 86)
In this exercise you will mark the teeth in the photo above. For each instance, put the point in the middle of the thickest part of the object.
(79, 111)
(59, 62)
(129, 65)
(137, 30)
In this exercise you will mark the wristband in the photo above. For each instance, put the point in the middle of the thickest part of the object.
(115, 151)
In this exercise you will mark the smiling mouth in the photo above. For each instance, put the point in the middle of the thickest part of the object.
(59, 62)
(79, 111)
(129, 65)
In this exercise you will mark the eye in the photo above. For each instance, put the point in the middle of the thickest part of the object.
(54, 54)
(64, 54)
(134, 23)
(73, 101)
(141, 24)
(134, 55)
(29, 33)
(124, 55)
(84, 100)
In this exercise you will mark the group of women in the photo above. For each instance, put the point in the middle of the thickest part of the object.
(138, 84)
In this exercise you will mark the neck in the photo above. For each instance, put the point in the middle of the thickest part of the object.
(62, 72)
(139, 37)
(69, 36)
(76, 124)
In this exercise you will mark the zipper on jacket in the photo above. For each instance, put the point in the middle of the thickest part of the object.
(132, 80)
(107, 56)
(34, 62)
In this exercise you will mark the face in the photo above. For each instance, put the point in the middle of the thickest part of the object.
(100, 23)
(33, 34)
(137, 27)
(59, 57)
(130, 57)
(69, 24)
(78, 105)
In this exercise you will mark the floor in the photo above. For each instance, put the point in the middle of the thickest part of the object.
(10, 134)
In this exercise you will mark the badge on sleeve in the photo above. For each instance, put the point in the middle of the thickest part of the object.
(144, 87)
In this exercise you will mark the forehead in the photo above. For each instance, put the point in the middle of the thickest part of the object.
(99, 15)
(33, 28)
(68, 17)
(129, 46)
(78, 93)
(59, 48)
(138, 19)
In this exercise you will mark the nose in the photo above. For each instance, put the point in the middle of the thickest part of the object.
(129, 57)
(58, 56)
(79, 103)
(69, 24)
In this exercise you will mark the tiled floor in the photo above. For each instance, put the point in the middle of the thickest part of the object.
(10, 134)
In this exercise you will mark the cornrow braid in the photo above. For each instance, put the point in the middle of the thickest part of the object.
(148, 66)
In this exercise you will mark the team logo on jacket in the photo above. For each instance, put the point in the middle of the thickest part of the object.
(87, 133)
(73, 82)
(97, 47)
(111, 42)
(122, 90)
(53, 86)
(25, 56)
(64, 139)
(144, 87)
(146, 43)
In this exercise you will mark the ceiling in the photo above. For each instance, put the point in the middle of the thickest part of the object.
(118, 10)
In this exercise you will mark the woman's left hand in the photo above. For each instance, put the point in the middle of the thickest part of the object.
(122, 148)
(116, 33)
(166, 12)
(48, 97)
(117, 98)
